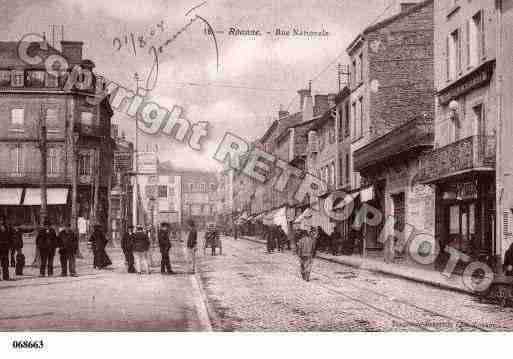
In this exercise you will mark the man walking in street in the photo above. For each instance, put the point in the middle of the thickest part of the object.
(192, 245)
(140, 249)
(306, 248)
(68, 248)
(165, 246)
(46, 243)
(127, 243)
(5, 245)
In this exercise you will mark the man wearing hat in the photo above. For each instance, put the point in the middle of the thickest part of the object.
(140, 248)
(306, 248)
(46, 242)
(127, 243)
(165, 246)
(192, 244)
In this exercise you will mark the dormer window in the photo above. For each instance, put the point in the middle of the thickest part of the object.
(5, 78)
(17, 78)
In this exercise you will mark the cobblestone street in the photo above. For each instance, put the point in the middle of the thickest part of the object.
(103, 300)
(251, 290)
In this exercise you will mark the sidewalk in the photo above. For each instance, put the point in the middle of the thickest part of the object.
(429, 277)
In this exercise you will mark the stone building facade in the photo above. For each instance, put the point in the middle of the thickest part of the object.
(392, 108)
(79, 146)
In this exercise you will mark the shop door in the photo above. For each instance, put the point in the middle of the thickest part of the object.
(462, 228)
(399, 211)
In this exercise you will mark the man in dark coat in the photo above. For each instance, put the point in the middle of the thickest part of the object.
(5, 246)
(165, 246)
(46, 242)
(68, 248)
(17, 242)
(127, 243)
(12, 251)
(98, 244)
(192, 245)
(140, 249)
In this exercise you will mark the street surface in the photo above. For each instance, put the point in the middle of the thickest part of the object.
(253, 291)
(102, 300)
(245, 289)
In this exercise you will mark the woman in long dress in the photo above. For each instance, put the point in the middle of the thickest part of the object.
(98, 244)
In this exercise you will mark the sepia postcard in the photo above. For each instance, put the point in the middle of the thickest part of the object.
(255, 166)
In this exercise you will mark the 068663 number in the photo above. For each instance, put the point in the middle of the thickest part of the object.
(27, 344)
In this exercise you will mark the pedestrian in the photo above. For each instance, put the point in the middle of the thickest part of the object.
(12, 250)
(192, 245)
(306, 249)
(140, 249)
(5, 246)
(165, 246)
(98, 244)
(68, 249)
(17, 245)
(46, 243)
(127, 243)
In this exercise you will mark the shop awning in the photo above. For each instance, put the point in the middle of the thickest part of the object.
(54, 196)
(367, 194)
(307, 213)
(10, 196)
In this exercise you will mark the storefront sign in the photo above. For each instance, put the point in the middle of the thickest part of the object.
(474, 80)
(467, 190)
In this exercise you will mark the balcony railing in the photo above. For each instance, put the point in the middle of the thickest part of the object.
(466, 154)
(34, 177)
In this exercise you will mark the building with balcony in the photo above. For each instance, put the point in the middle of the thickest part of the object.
(78, 143)
(198, 196)
(461, 167)
(392, 111)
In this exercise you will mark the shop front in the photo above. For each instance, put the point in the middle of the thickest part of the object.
(465, 217)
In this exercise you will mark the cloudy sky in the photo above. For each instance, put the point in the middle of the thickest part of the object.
(255, 76)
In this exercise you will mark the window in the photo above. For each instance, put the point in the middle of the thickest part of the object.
(16, 159)
(453, 55)
(5, 78)
(212, 187)
(360, 119)
(17, 116)
(341, 171)
(347, 117)
(348, 178)
(191, 186)
(203, 187)
(354, 72)
(35, 78)
(52, 161)
(162, 191)
(84, 164)
(332, 172)
(51, 117)
(360, 58)
(355, 119)
(17, 78)
(51, 80)
(86, 118)
(476, 39)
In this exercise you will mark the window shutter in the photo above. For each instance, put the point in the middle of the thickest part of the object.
(467, 38)
(447, 64)
(482, 35)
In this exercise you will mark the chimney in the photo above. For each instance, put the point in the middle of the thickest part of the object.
(405, 6)
(321, 104)
(72, 51)
(308, 111)
(302, 95)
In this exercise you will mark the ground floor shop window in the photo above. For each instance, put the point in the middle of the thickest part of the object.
(462, 226)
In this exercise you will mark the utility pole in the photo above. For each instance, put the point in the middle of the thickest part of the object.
(43, 179)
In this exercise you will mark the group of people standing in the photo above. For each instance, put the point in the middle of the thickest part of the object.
(11, 245)
(275, 238)
(136, 248)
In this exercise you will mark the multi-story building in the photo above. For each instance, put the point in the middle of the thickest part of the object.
(199, 196)
(79, 147)
(462, 166)
(392, 109)
(121, 196)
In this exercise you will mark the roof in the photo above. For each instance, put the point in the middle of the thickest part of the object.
(386, 22)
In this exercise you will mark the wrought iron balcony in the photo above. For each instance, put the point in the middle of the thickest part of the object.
(410, 138)
(33, 178)
(471, 153)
